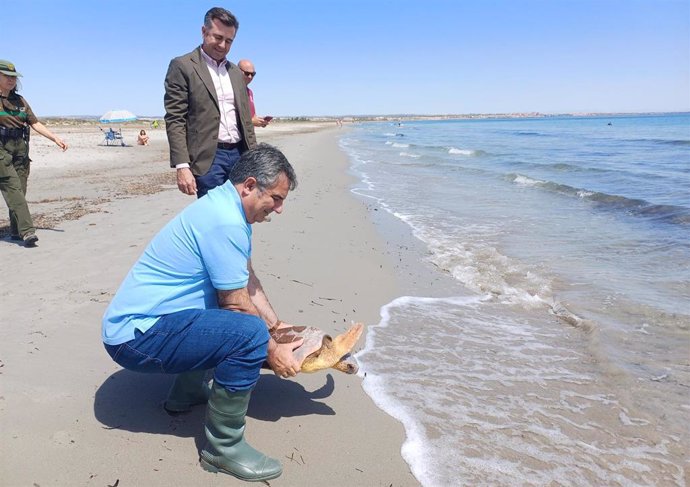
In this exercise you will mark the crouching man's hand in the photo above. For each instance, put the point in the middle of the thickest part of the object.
(282, 360)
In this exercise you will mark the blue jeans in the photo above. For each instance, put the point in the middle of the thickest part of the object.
(235, 344)
(219, 171)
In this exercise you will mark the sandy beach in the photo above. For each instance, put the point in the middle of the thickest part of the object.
(71, 416)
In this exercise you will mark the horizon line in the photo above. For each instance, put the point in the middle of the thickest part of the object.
(418, 115)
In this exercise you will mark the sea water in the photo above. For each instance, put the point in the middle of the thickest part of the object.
(558, 352)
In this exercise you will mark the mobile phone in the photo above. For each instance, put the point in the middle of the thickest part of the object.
(268, 118)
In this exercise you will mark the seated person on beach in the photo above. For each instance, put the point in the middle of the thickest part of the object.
(143, 139)
(192, 302)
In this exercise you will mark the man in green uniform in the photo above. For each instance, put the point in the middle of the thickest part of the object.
(16, 117)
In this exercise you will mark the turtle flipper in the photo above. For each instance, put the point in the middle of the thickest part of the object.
(335, 352)
(344, 343)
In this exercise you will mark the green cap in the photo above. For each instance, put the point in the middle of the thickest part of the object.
(7, 68)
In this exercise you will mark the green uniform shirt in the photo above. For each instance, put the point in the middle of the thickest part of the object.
(15, 112)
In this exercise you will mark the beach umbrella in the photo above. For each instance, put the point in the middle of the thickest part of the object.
(117, 116)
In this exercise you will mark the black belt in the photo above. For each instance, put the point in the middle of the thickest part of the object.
(228, 146)
(11, 133)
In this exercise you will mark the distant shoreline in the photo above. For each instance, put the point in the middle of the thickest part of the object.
(93, 120)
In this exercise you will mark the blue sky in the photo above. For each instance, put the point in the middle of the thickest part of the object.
(359, 57)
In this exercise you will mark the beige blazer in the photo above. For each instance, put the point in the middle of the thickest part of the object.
(192, 116)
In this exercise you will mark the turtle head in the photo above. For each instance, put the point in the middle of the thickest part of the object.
(347, 364)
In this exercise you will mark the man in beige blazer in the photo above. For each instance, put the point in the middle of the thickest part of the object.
(207, 112)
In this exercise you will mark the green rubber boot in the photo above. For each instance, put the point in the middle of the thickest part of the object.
(225, 450)
(188, 390)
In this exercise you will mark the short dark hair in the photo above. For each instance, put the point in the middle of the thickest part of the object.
(264, 163)
(224, 16)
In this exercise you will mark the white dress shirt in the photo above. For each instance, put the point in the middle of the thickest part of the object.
(228, 130)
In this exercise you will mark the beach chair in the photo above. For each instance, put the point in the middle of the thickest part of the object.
(113, 137)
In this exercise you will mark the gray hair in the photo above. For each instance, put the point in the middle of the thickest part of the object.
(224, 16)
(264, 163)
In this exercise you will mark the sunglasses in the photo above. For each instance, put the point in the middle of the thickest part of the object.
(249, 73)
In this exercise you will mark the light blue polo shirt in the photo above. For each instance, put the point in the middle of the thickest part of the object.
(204, 248)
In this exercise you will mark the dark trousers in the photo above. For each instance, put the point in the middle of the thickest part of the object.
(219, 171)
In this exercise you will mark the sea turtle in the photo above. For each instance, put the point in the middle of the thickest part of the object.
(319, 351)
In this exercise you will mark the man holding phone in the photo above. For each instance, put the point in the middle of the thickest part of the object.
(247, 68)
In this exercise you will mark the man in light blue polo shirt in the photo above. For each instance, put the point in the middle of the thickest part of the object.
(192, 302)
